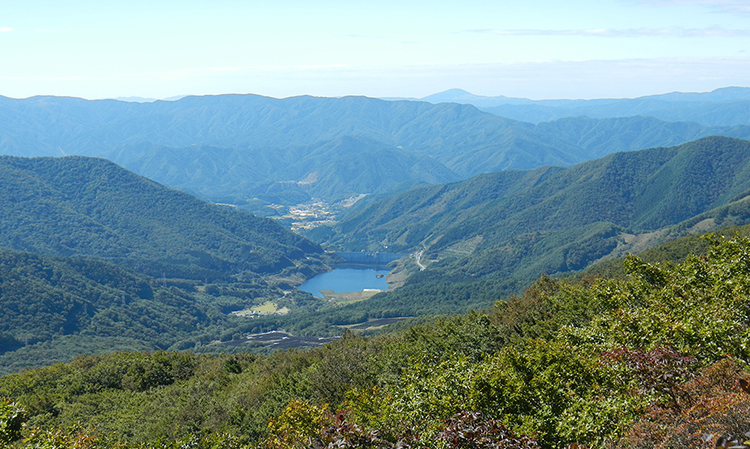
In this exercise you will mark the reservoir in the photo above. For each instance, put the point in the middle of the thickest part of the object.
(347, 278)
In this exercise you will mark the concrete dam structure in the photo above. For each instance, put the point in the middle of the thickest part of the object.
(362, 258)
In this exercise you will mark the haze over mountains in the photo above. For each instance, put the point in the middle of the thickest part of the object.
(722, 107)
(233, 148)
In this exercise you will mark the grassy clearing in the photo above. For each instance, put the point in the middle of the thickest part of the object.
(348, 297)
(266, 307)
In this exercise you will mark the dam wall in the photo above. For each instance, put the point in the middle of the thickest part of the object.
(363, 258)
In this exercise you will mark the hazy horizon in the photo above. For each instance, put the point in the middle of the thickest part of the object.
(538, 49)
(139, 99)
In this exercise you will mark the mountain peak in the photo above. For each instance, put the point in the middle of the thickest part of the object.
(451, 95)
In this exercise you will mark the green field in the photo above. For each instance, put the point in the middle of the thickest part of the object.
(348, 297)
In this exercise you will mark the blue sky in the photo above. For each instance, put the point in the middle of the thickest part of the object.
(534, 48)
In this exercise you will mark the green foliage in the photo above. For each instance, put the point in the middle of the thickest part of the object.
(298, 426)
(12, 417)
(699, 307)
(545, 307)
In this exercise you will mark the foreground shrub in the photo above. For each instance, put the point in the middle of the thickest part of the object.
(712, 406)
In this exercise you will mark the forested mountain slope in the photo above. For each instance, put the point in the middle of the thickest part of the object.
(494, 233)
(86, 207)
(341, 168)
(44, 298)
(642, 190)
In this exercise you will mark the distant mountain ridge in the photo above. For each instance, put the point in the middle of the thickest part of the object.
(729, 106)
(234, 147)
(461, 96)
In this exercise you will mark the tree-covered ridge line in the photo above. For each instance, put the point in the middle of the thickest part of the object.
(641, 191)
(655, 359)
(92, 208)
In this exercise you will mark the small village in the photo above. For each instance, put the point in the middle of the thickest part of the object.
(310, 215)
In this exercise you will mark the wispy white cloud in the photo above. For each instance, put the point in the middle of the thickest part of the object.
(725, 6)
(6, 29)
(625, 32)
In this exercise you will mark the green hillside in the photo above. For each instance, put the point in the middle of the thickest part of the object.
(643, 190)
(55, 308)
(45, 297)
(94, 258)
(92, 208)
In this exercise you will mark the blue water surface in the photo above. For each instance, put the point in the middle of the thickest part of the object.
(346, 279)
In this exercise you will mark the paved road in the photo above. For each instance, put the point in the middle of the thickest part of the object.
(418, 256)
